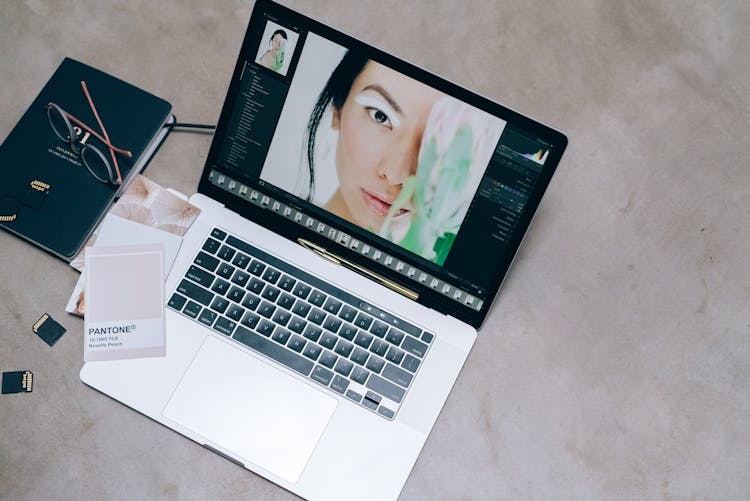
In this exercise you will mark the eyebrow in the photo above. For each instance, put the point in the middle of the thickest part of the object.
(380, 90)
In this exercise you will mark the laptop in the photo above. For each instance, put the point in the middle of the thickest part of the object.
(358, 217)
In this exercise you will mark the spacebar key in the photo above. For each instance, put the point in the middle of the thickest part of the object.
(273, 350)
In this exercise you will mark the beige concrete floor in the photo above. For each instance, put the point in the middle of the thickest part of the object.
(616, 361)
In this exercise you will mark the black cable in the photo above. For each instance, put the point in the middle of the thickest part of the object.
(189, 126)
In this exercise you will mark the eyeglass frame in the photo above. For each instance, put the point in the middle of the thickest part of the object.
(72, 139)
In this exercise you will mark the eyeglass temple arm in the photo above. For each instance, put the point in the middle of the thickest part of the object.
(104, 131)
(96, 135)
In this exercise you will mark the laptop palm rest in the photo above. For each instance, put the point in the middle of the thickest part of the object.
(251, 409)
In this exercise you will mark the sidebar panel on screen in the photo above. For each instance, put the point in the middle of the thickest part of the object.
(252, 122)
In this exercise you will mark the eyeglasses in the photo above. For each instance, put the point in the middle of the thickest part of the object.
(93, 159)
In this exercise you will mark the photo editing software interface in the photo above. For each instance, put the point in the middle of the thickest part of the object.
(372, 160)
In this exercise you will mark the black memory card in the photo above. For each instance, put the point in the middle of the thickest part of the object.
(49, 330)
(18, 382)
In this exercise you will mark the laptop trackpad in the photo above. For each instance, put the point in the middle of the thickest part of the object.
(250, 408)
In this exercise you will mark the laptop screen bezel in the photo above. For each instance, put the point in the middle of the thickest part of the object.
(264, 10)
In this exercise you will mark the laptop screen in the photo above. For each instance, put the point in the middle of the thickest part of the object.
(378, 161)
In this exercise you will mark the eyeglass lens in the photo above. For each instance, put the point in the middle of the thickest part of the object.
(93, 159)
(97, 164)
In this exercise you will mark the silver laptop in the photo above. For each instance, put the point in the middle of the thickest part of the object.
(358, 217)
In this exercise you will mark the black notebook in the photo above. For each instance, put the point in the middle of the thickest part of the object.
(48, 195)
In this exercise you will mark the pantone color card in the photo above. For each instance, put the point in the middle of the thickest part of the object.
(124, 305)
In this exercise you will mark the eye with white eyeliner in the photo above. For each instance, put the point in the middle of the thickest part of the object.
(378, 110)
(379, 116)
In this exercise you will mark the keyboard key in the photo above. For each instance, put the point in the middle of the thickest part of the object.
(286, 283)
(271, 293)
(339, 384)
(301, 290)
(272, 350)
(241, 260)
(218, 234)
(250, 319)
(208, 262)
(332, 323)
(359, 375)
(266, 309)
(177, 301)
(317, 298)
(255, 286)
(414, 346)
(328, 340)
(312, 332)
(363, 321)
(427, 337)
(375, 364)
(236, 294)
(211, 246)
(348, 332)
(251, 301)
(192, 309)
(235, 312)
(281, 317)
(207, 317)
(343, 348)
(297, 324)
(343, 366)
(301, 308)
(281, 336)
(379, 347)
(397, 375)
(220, 286)
(316, 316)
(394, 336)
(328, 359)
(348, 313)
(271, 275)
(225, 270)
(379, 328)
(353, 395)
(196, 292)
(390, 319)
(394, 355)
(226, 253)
(410, 363)
(265, 327)
(256, 267)
(199, 276)
(363, 339)
(225, 326)
(219, 304)
(312, 351)
(385, 388)
(385, 411)
(240, 278)
(371, 400)
(286, 301)
(332, 305)
(359, 356)
(321, 375)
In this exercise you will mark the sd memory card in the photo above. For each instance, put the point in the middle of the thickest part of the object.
(49, 330)
(18, 382)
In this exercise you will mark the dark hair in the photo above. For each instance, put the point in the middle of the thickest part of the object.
(279, 32)
(335, 92)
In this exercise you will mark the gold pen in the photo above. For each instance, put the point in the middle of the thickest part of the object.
(325, 254)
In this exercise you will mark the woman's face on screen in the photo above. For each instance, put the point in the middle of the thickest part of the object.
(380, 130)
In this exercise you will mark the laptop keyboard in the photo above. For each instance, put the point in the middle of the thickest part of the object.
(302, 322)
